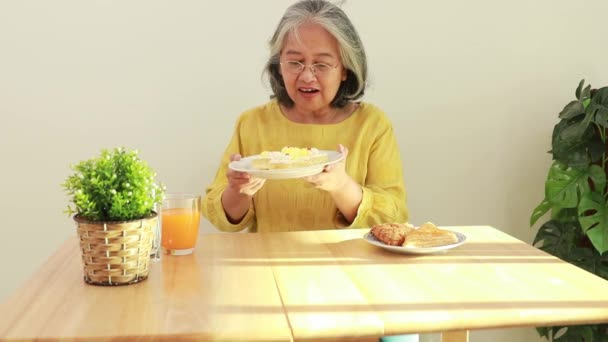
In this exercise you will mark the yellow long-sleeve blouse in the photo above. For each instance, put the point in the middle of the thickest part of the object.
(293, 204)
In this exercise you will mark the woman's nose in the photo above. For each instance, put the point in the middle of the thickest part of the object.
(307, 74)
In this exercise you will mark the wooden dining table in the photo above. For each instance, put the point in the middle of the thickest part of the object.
(327, 285)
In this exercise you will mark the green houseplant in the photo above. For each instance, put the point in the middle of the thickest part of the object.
(112, 200)
(576, 196)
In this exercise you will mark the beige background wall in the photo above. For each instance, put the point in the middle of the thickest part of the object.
(473, 89)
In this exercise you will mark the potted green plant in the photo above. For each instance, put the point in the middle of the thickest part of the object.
(575, 196)
(113, 197)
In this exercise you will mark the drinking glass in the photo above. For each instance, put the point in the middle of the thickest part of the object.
(180, 217)
(156, 250)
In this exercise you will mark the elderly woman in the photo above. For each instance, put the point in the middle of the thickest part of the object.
(317, 71)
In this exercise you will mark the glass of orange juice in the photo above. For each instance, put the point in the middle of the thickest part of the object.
(180, 216)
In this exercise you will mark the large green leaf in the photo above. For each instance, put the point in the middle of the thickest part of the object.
(564, 214)
(576, 132)
(595, 179)
(598, 107)
(593, 216)
(567, 241)
(564, 183)
(575, 129)
(561, 187)
(569, 142)
(600, 114)
(584, 257)
(539, 211)
(572, 110)
(596, 148)
(601, 96)
(557, 238)
(599, 237)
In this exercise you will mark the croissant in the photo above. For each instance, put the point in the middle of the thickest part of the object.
(392, 234)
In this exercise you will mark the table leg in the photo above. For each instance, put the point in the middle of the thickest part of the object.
(455, 336)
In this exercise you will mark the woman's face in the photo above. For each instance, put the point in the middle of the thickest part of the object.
(312, 92)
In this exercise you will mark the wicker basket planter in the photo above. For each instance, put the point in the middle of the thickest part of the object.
(116, 253)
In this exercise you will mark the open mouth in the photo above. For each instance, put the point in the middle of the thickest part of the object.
(308, 90)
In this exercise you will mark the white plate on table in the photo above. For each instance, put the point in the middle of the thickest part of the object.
(370, 238)
(244, 165)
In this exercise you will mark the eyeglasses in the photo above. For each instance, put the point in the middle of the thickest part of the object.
(318, 69)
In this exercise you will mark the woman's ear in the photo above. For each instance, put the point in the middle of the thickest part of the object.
(344, 74)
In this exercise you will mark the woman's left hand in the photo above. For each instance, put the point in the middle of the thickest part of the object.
(333, 177)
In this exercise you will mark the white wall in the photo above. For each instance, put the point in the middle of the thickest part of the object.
(473, 89)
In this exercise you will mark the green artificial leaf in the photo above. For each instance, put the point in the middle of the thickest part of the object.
(587, 258)
(574, 333)
(561, 187)
(569, 145)
(602, 270)
(578, 333)
(556, 238)
(543, 331)
(599, 237)
(539, 211)
(596, 148)
(583, 126)
(579, 88)
(598, 107)
(586, 93)
(595, 179)
(564, 214)
(586, 103)
(600, 114)
(576, 129)
(564, 183)
(572, 110)
(601, 97)
(583, 257)
(593, 216)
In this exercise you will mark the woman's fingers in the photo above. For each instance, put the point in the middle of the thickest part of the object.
(343, 150)
(316, 180)
(252, 186)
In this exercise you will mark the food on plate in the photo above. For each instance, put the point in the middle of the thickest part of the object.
(289, 157)
(392, 234)
(406, 235)
(428, 235)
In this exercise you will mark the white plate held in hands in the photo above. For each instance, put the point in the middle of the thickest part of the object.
(244, 165)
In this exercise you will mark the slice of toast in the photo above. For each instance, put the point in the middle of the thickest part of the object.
(428, 235)
(289, 157)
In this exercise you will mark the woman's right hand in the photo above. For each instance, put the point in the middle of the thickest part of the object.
(242, 182)
(236, 198)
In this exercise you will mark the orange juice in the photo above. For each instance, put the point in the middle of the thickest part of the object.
(179, 228)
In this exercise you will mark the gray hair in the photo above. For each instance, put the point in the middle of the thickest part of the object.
(335, 21)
